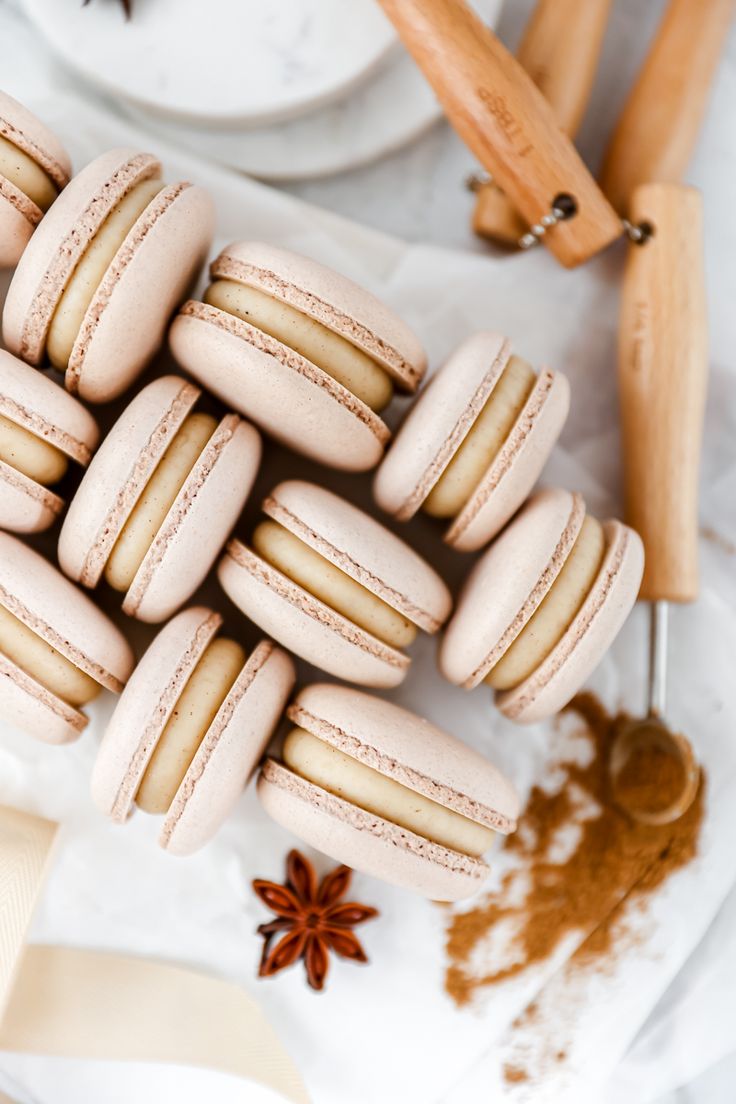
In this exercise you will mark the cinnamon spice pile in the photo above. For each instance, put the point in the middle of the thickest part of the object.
(542, 899)
(651, 779)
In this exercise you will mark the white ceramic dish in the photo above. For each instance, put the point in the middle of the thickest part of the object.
(383, 114)
(233, 62)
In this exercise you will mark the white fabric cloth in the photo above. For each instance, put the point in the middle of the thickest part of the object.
(388, 1032)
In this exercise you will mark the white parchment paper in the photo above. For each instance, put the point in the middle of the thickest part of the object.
(388, 1032)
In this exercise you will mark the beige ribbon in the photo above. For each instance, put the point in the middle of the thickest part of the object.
(87, 1004)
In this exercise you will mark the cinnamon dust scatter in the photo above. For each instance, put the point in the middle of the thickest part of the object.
(612, 858)
(514, 1075)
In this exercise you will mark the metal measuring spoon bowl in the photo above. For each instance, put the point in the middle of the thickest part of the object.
(654, 773)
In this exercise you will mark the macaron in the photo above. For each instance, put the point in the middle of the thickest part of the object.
(474, 442)
(386, 792)
(96, 286)
(304, 352)
(42, 428)
(190, 729)
(543, 605)
(333, 586)
(159, 499)
(57, 649)
(34, 167)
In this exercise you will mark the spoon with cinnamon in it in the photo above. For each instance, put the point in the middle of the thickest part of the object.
(663, 369)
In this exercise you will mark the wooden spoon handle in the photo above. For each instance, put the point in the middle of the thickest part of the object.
(663, 372)
(658, 127)
(505, 120)
(559, 51)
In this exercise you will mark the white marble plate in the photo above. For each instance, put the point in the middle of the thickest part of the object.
(383, 114)
(232, 62)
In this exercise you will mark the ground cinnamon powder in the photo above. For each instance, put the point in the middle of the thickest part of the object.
(613, 858)
(651, 779)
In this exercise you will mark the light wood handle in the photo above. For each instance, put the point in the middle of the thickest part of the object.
(663, 372)
(658, 127)
(559, 51)
(505, 120)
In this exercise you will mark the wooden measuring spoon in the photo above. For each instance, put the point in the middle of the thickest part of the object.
(505, 120)
(657, 129)
(663, 372)
(559, 50)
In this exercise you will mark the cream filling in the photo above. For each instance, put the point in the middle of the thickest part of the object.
(340, 774)
(27, 175)
(334, 354)
(483, 441)
(43, 663)
(90, 271)
(29, 454)
(300, 563)
(208, 686)
(157, 498)
(555, 612)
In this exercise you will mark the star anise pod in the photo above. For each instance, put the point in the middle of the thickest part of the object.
(311, 920)
(127, 7)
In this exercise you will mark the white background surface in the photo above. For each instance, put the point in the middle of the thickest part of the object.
(107, 887)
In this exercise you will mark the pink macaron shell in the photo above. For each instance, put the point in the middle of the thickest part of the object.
(145, 707)
(409, 749)
(60, 241)
(517, 467)
(149, 276)
(362, 548)
(26, 131)
(332, 299)
(364, 841)
(29, 706)
(438, 422)
(118, 474)
(507, 584)
(198, 523)
(34, 591)
(19, 217)
(287, 396)
(305, 625)
(26, 506)
(230, 751)
(596, 625)
(34, 401)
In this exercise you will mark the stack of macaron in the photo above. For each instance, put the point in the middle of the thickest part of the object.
(312, 359)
